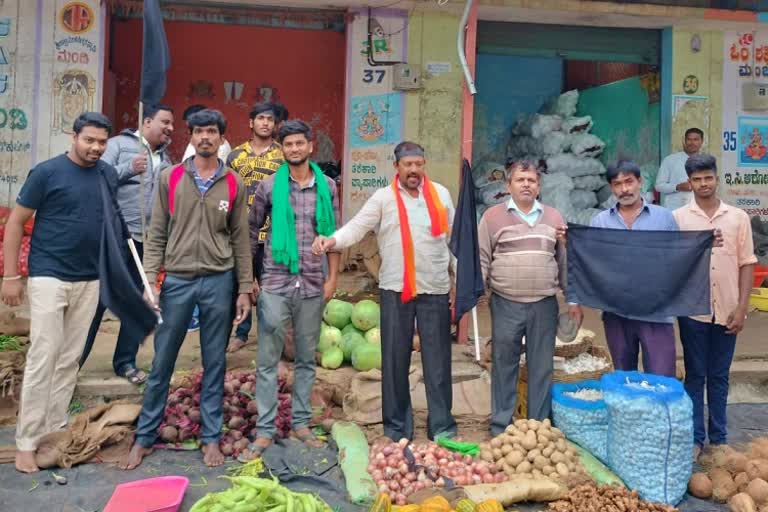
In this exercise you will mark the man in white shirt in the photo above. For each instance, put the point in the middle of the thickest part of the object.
(672, 181)
(411, 219)
(225, 147)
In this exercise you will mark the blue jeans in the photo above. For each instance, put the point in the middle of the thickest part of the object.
(274, 313)
(707, 352)
(213, 295)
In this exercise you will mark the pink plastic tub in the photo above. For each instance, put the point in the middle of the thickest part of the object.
(161, 494)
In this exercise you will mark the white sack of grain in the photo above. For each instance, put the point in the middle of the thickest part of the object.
(586, 145)
(556, 191)
(574, 166)
(486, 173)
(550, 144)
(537, 125)
(592, 182)
(494, 193)
(583, 199)
(563, 105)
(574, 125)
(583, 217)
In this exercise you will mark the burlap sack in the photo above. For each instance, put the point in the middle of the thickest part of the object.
(87, 434)
(11, 374)
(337, 382)
(362, 404)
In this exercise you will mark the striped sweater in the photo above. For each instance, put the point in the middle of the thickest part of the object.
(519, 262)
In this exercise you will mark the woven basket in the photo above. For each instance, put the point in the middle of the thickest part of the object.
(581, 344)
(561, 376)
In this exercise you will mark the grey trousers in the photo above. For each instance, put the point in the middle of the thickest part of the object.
(433, 317)
(274, 313)
(510, 321)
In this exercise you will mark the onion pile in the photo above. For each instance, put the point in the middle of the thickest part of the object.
(182, 412)
(433, 466)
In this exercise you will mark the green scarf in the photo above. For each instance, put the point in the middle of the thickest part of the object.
(285, 248)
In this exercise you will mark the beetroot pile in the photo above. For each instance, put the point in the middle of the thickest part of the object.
(182, 412)
(401, 469)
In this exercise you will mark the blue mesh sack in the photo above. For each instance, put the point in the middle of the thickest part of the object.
(585, 422)
(650, 434)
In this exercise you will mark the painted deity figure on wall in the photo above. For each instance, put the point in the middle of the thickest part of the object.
(74, 92)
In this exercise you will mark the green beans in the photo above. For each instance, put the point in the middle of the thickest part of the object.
(251, 494)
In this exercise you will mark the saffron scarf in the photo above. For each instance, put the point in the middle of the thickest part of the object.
(285, 248)
(438, 218)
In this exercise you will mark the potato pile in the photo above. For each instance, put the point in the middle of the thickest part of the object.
(531, 447)
(588, 498)
(738, 478)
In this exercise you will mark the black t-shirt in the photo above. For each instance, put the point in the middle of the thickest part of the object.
(69, 217)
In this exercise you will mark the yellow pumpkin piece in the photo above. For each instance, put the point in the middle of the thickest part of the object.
(489, 506)
(408, 508)
(382, 503)
(436, 504)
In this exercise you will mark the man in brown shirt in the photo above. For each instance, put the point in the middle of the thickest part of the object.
(199, 231)
(523, 265)
(302, 203)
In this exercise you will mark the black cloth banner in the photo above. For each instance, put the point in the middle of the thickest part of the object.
(640, 273)
(465, 247)
(117, 290)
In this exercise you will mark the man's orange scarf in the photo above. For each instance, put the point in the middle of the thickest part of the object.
(438, 217)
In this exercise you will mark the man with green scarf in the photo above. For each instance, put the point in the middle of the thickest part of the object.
(302, 203)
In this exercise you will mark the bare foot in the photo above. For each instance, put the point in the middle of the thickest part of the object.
(254, 450)
(235, 344)
(212, 455)
(134, 457)
(306, 435)
(25, 461)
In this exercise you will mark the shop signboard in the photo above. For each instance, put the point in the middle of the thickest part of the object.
(744, 162)
(374, 110)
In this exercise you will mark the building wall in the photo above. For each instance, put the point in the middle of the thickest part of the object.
(303, 69)
(433, 114)
(707, 66)
(51, 65)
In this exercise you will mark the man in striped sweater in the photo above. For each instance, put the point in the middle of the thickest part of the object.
(523, 265)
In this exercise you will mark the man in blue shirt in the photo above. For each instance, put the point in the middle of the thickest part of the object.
(626, 334)
(65, 194)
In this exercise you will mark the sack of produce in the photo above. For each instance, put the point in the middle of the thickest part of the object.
(537, 125)
(487, 173)
(650, 433)
(494, 194)
(563, 105)
(586, 145)
(574, 166)
(574, 125)
(578, 409)
(591, 182)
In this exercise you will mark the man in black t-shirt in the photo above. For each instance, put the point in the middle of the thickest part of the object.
(64, 193)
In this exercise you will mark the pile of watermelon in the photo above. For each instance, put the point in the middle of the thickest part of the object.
(23, 263)
(350, 333)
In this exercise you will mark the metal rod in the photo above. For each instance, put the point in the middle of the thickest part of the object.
(460, 46)
(143, 275)
(476, 333)
(141, 176)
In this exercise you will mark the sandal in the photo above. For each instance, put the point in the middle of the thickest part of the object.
(252, 451)
(307, 437)
(134, 375)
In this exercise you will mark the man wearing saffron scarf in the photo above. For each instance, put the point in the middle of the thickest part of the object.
(412, 219)
(302, 203)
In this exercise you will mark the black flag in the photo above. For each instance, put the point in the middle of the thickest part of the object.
(117, 290)
(465, 246)
(636, 273)
(156, 58)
